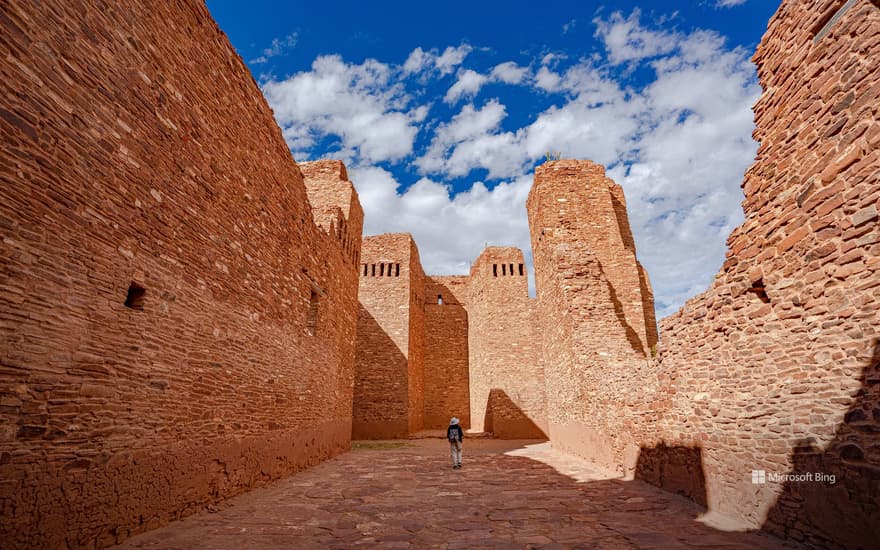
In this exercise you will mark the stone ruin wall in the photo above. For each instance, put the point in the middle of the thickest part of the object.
(447, 383)
(138, 150)
(506, 381)
(592, 310)
(473, 356)
(775, 366)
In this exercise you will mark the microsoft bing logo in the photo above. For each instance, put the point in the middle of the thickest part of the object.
(759, 476)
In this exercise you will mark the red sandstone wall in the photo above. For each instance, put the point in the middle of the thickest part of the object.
(507, 392)
(137, 148)
(775, 366)
(590, 310)
(446, 382)
(388, 358)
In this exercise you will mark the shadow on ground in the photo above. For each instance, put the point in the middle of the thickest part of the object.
(515, 493)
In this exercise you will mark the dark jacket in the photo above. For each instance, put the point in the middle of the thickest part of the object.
(454, 433)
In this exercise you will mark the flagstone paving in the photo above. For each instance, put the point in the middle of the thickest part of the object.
(507, 495)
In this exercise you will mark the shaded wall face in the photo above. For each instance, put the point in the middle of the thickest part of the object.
(128, 175)
(384, 341)
(506, 380)
(446, 381)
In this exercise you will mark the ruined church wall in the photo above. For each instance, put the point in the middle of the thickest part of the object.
(590, 309)
(446, 379)
(507, 390)
(385, 343)
(775, 366)
(138, 149)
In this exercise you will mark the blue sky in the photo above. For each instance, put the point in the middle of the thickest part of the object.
(442, 112)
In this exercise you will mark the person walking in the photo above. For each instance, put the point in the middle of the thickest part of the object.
(455, 435)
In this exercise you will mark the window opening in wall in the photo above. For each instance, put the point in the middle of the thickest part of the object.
(312, 322)
(503, 269)
(365, 270)
(521, 272)
(374, 270)
(381, 270)
(389, 270)
(758, 290)
(511, 270)
(494, 270)
(397, 270)
(440, 299)
(135, 297)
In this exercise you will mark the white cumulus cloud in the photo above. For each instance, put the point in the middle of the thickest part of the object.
(421, 61)
(627, 40)
(468, 84)
(362, 106)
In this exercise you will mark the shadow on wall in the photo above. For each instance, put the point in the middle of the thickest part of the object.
(631, 335)
(675, 469)
(506, 420)
(380, 404)
(847, 510)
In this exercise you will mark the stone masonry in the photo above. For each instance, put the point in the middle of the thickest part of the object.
(484, 360)
(594, 310)
(447, 380)
(776, 367)
(186, 313)
(507, 382)
(174, 326)
(388, 392)
(433, 347)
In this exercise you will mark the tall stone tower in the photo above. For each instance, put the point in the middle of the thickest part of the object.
(595, 306)
(388, 390)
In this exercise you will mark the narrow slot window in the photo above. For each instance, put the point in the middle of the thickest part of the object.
(365, 270)
(312, 322)
(397, 270)
(374, 270)
(389, 270)
(494, 270)
(381, 270)
(521, 271)
(511, 270)
(503, 269)
(135, 297)
(440, 299)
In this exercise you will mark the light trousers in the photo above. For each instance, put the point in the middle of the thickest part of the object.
(455, 447)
